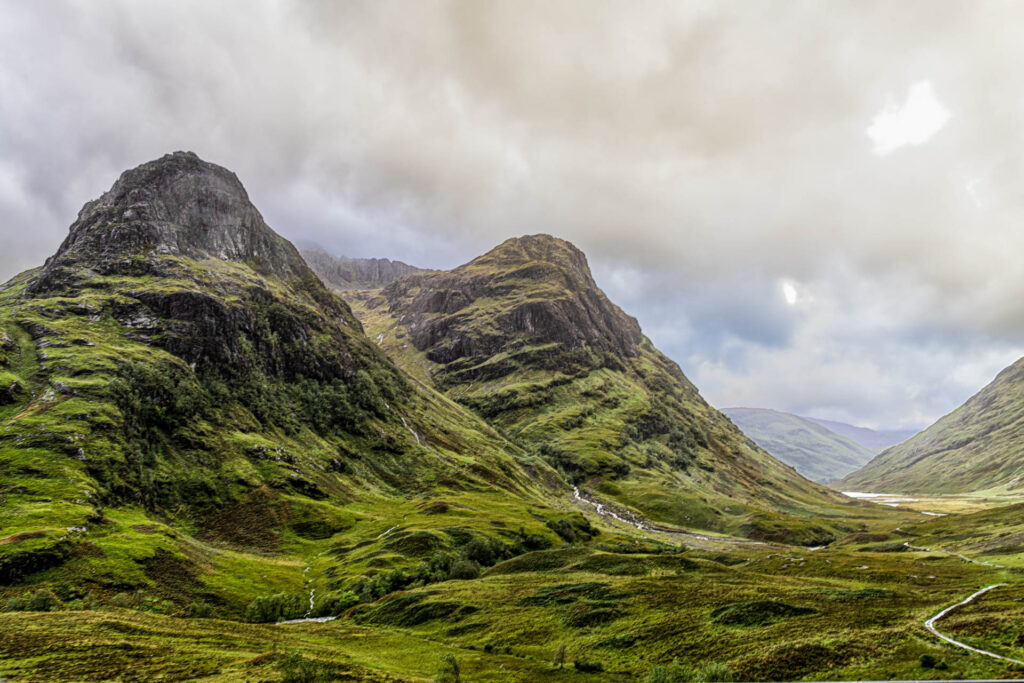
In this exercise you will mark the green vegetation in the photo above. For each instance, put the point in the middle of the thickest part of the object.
(524, 338)
(195, 449)
(976, 448)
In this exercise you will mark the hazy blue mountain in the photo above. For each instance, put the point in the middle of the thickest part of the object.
(813, 450)
(876, 440)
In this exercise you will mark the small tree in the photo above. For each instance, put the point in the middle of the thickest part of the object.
(559, 660)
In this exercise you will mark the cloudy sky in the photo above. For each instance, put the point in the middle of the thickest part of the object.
(811, 206)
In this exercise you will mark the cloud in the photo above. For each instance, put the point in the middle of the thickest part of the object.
(914, 122)
(701, 153)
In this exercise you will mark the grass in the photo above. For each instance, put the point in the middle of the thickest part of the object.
(774, 616)
(141, 491)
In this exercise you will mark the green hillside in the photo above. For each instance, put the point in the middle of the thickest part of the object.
(524, 337)
(194, 416)
(977, 447)
(813, 450)
(200, 443)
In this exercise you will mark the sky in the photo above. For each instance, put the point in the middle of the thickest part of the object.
(811, 206)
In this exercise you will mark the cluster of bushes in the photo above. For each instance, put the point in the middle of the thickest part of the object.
(295, 668)
(464, 562)
(160, 400)
(574, 530)
(43, 600)
(577, 470)
(705, 672)
(368, 589)
(682, 435)
(286, 606)
(331, 407)
(476, 553)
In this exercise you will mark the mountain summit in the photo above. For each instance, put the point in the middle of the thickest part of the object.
(178, 205)
(518, 299)
(525, 337)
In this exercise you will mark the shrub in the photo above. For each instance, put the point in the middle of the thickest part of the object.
(449, 671)
(713, 672)
(279, 607)
(123, 600)
(586, 667)
(43, 601)
(199, 610)
(559, 659)
(15, 605)
(333, 604)
(465, 569)
(927, 662)
(479, 550)
(297, 669)
(706, 672)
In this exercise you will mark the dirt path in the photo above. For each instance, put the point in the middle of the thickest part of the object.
(930, 625)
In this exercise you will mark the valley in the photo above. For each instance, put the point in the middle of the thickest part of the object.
(212, 467)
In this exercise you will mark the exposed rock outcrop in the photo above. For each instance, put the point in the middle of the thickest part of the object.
(341, 272)
(531, 291)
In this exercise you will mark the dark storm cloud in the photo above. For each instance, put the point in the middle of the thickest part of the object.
(711, 158)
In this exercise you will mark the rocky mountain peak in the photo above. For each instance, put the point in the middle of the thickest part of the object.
(178, 205)
(528, 293)
(538, 257)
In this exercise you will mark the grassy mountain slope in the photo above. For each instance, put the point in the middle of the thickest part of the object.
(976, 447)
(875, 440)
(189, 413)
(196, 434)
(816, 452)
(524, 337)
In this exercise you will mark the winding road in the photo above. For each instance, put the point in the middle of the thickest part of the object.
(930, 625)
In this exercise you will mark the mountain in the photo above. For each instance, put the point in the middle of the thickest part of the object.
(186, 406)
(875, 440)
(815, 451)
(199, 440)
(524, 337)
(342, 273)
(976, 447)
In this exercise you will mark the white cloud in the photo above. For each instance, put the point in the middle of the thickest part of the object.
(700, 153)
(789, 292)
(914, 122)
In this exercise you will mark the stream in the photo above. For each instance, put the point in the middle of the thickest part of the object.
(641, 525)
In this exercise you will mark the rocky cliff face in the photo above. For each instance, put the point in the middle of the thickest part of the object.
(342, 273)
(178, 205)
(525, 337)
(532, 295)
(203, 276)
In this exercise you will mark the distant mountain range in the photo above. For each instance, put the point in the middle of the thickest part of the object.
(817, 452)
(875, 440)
